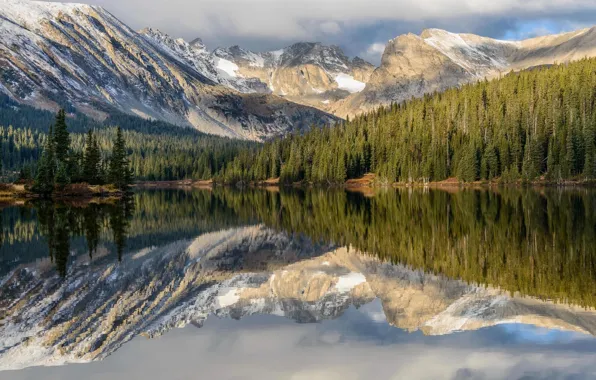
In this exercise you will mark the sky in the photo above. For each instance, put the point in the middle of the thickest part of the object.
(359, 27)
(357, 345)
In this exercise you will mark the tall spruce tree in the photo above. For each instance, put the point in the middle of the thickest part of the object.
(44, 181)
(91, 160)
(61, 137)
(119, 172)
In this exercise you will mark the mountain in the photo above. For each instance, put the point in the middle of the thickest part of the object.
(236, 272)
(306, 72)
(54, 54)
(435, 60)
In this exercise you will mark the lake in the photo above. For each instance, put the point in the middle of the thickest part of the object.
(290, 283)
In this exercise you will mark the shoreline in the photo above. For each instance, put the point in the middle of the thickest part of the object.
(13, 193)
(18, 193)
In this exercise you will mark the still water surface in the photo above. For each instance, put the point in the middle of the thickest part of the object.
(301, 284)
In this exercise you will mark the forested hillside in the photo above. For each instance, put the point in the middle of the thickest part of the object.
(157, 150)
(525, 125)
(533, 124)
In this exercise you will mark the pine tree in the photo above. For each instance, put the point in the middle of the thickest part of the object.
(61, 137)
(590, 152)
(468, 166)
(119, 172)
(44, 181)
(91, 160)
(62, 178)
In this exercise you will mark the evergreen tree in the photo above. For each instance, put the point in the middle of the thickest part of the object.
(61, 137)
(44, 181)
(590, 152)
(119, 171)
(62, 177)
(92, 160)
(468, 166)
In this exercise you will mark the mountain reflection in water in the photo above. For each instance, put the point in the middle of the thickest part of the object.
(79, 282)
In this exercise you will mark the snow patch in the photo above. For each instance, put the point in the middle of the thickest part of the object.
(348, 83)
(276, 54)
(228, 298)
(470, 56)
(228, 67)
(349, 281)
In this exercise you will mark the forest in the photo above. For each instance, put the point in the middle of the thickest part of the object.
(538, 123)
(155, 150)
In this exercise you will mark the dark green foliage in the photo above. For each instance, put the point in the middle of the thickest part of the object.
(119, 171)
(46, 168)
(92, 160)
(523, 126)
(61, 138)
(59, 166)
(62, 178)
(157, 151)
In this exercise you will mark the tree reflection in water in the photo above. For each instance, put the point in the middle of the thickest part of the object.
(60, 221)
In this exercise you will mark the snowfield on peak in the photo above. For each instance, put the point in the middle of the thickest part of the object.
(227, 67)
(348, 83)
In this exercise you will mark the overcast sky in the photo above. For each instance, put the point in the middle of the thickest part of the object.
(360, 27)
(357, 345)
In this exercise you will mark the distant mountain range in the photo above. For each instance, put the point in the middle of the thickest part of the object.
(53, 54)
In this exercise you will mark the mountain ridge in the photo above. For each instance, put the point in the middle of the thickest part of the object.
(54, 53)
(413, 65)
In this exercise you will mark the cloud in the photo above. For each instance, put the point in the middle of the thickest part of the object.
(352, 24)
(330, 27)
(374, 51)
(351, 347)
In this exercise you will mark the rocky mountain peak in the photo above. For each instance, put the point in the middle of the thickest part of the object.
(99, 65)
(359, 62)
(198, 43)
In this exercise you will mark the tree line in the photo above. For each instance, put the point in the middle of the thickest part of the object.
(59, 165)
(523, 126)
(156, 150)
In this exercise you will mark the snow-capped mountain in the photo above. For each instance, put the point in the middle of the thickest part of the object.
(101, 305)
(54, 53)
(205, 62)
(307, 72)
(435, 60)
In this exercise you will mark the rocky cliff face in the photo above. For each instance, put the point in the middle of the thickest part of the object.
(307, 73)
(411, 66)
(53, 53)
(101, 305)
(414, 65)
